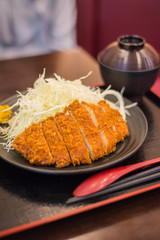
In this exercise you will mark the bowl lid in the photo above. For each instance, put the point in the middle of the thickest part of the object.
(130, 53)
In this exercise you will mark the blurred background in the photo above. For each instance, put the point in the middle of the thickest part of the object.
(100, 22)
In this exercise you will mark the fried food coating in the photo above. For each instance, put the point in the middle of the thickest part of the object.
(119, 125)
(56, 144)
(73, 139)
(88, 129)
(81, 133)
(33, 146)
(104, 125)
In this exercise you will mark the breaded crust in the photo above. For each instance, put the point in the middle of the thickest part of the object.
(119, 125)
(105, 126)
(33, 146)
(73, 139)
(88, 129)
(83, 132)
(56, 144)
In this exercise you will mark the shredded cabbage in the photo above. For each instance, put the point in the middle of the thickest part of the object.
(49, 96)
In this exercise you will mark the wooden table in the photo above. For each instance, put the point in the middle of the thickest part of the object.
(19, 74)
(137, 217)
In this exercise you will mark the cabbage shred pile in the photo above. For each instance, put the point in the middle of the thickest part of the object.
(49, 96)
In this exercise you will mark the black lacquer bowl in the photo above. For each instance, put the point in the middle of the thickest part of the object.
(129, 62)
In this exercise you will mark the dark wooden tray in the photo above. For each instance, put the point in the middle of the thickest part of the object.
(29, 199)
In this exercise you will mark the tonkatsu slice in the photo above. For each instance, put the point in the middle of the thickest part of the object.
(80, 134)
(56, 144)
(91, 135)
(33, 146)
(73, 139)
(104, 125)
(119, 125)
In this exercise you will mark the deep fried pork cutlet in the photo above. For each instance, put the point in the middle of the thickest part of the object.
(82, 133)
(104, 125)
(55, 142)
(89, 131)
(119, 125)
(73, 139)
(33, 146)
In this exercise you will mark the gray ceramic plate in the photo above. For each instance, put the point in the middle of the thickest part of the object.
(138, 128)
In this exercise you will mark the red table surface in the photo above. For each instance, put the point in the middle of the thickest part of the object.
(156, 87)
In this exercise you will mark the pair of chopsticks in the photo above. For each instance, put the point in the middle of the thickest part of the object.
(144, 176)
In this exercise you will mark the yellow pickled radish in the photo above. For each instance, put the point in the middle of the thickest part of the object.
(4, 113)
